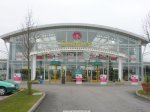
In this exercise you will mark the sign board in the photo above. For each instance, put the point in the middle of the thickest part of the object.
(75, 44)
(17, 77)
(78, 74)
(78, 78)
(134, 79)
(55, 62)
(76, 35)
(103, 79)
(98, 63)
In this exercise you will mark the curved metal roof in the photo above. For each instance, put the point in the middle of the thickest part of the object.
(76, 25)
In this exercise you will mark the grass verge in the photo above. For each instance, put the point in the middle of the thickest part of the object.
(141, 92)
(19, 102)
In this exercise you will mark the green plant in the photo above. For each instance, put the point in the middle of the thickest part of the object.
(141, 92)
(147, 79)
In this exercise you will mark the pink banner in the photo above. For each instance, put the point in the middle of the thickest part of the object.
(103, 79)
(17, 77)
(78, 78)
(134, 79)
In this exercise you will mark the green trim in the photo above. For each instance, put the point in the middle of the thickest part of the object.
(98, 63)
(55, 63)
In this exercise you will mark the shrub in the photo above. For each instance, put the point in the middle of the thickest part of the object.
(147, 79)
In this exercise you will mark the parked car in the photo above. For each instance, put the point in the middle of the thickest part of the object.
(8, 86)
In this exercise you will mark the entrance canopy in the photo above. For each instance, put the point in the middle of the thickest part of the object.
(78, 49)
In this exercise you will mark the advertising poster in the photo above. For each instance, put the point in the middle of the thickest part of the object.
(103, 79)
(78, 74)
(134, 79)
(78, 78)
(17, 77)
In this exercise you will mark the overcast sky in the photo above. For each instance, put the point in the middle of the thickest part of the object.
(123, 14)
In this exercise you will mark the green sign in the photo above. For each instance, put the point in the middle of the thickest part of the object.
(78, 71)
(98, 63)
(55, 62)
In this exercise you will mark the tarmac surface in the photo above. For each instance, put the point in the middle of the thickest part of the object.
(3, 97)
(91, 98)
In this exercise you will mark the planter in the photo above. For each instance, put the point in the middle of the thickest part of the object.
(146, 88)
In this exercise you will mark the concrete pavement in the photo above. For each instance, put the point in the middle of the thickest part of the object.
(119, 98)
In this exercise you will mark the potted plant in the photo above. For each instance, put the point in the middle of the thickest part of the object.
(146, 85)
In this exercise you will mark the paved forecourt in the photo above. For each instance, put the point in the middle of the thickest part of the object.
(95, 98)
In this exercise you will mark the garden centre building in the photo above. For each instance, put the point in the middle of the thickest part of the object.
(63, 48)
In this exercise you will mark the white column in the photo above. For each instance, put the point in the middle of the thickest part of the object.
(142, 67)
(44, 65)
(120, 68)
(7, 75)
(33, 70)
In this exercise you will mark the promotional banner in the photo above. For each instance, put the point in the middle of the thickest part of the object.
(17, 77)
(60, 57)
(103, 79)
(71, 57)
(78, 78)
(134, 79)
(81, 58)
(132, 58)
(78, 74)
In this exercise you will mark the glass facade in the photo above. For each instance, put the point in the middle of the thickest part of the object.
(3, 69)
(86, 38)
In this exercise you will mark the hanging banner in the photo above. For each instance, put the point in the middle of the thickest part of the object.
(17, 77)
(60, 57)
(134, 79)
(39, 57)
(92, 58)
(49, 57)
(81, 58)
(71, 57)
(132, 58)
(103, 79)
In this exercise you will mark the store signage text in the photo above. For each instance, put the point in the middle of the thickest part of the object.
(76, 44)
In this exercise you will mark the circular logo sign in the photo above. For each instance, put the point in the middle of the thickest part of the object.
(76, 35)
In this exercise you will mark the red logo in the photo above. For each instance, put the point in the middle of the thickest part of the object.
(76, 35)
